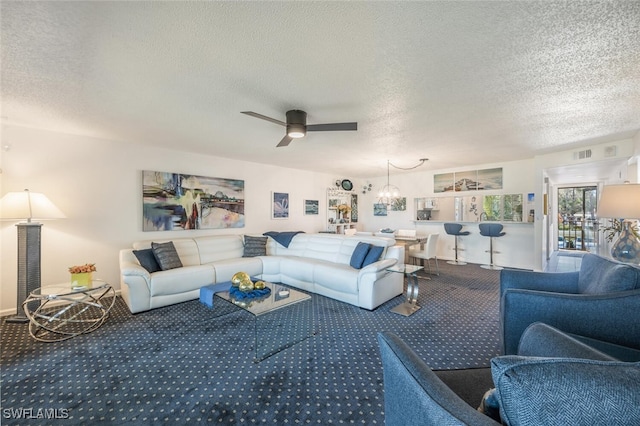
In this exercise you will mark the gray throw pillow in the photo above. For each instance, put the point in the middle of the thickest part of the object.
(566, 391)
(166, 255)
(255, 246)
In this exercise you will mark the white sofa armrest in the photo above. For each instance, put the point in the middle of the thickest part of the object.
(130, 268)
(135, 283)
(379, 266)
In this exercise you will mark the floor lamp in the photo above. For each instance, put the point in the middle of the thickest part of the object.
(27, 206)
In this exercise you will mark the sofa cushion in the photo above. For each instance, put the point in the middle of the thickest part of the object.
(600, 275)
(254, 246)
(373, 255)
(166, 255)
(181, 280)
(541, 391)
(147, 260)
(359, 254)
(335, 278)
(225, 269)
(212, 248)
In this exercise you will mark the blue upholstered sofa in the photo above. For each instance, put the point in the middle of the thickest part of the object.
(554, 380)
(599, 305)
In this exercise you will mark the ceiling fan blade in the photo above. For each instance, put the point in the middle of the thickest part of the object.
(331, 127)
(285, 141)
(264, 117)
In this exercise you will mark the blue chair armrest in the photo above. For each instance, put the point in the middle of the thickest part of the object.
(610, 317)
(414, 395)
(542, 340)
(557, 282)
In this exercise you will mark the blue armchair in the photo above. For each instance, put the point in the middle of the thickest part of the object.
(599, 305)
(555, 379)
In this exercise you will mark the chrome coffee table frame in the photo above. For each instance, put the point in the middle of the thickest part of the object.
(59, 312)
(280, 320)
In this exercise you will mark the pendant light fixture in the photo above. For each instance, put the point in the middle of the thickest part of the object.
(389, 194)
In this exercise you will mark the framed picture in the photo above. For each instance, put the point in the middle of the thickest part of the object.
(311, 207)
(379, 209)
(466, 181)
(399, 204)
(490, 178)
(443, 182)
(279, 205)
(179, 201)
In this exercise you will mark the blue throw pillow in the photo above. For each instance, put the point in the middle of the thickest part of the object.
(566, 391)
(358, 255)
(373, 256)
(147, 260)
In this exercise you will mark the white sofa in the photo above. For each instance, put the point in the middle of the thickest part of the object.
(318, 263)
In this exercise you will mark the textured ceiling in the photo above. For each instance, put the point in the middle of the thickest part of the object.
(460, 83)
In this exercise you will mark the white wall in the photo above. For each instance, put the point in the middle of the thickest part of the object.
(545, 225)
(517, 179)
(98, 185)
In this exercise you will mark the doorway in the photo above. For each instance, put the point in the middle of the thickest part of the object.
(577, 224)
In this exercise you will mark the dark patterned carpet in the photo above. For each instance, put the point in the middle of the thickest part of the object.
(182, 365)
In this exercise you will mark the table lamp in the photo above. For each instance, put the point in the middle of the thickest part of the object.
(622, 202)
(28, 206)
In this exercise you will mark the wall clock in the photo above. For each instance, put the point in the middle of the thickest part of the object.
(346, 185)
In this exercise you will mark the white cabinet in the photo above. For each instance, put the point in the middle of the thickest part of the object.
(424, 208)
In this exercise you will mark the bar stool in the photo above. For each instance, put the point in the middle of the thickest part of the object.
(491, 230)
(455, 229)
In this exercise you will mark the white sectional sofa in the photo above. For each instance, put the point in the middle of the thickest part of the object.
(318, 263)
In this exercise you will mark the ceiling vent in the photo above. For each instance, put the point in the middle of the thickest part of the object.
(581, 155)
(610, 151)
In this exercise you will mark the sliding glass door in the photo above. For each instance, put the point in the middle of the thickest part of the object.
(577, 224)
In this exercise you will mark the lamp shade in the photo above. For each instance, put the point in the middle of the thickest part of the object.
(620, 201)
(28, 205)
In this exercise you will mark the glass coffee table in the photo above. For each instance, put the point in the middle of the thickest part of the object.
(60, 312)
(281, 319)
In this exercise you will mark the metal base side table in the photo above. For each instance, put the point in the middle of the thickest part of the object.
(59, 312)
(410, 272)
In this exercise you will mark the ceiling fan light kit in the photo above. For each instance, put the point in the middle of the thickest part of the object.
(296, 125)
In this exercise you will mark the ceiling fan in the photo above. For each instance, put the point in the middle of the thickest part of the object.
(297, 125)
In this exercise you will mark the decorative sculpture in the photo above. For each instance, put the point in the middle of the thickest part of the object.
(239, 277)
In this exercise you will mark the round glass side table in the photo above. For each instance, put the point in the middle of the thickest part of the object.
(60, 312)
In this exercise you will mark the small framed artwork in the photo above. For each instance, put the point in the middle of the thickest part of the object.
(399, 204)
(311, 207)
(379, 209)
(279, 205)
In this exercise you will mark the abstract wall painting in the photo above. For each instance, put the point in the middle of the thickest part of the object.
(179, 201)
(311, 207)
(279, 205)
